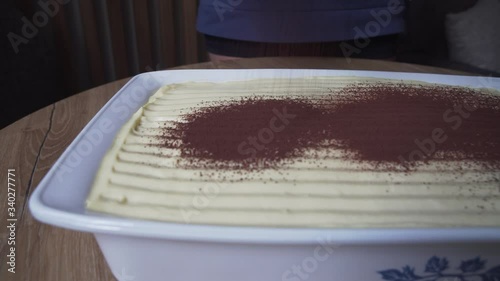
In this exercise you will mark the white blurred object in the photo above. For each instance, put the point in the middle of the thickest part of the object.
(138, 250)
(474, 35)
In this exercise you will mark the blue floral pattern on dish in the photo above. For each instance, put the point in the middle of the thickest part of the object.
(439, 269)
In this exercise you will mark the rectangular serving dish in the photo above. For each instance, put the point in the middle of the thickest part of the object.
(149, 250)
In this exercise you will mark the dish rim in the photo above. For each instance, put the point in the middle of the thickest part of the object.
(101, 224)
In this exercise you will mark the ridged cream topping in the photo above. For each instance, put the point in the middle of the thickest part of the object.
(140, 177)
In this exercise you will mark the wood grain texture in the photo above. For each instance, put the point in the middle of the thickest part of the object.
(69, 118)
(38, 244)
(21, 143)
(32, 144)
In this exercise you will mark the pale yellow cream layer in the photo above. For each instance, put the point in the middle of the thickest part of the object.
(137, 179)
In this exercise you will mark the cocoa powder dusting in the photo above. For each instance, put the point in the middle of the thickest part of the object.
(250, 133)
(393, 125)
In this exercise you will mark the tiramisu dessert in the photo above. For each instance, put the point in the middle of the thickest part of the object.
(336, 152)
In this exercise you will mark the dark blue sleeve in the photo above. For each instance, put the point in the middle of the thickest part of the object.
(294, 21)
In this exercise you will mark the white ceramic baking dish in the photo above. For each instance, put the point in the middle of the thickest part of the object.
(138, 250)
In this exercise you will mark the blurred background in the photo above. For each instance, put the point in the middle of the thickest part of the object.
(52, 51)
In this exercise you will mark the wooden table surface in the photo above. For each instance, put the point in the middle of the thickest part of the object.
(31, 145)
